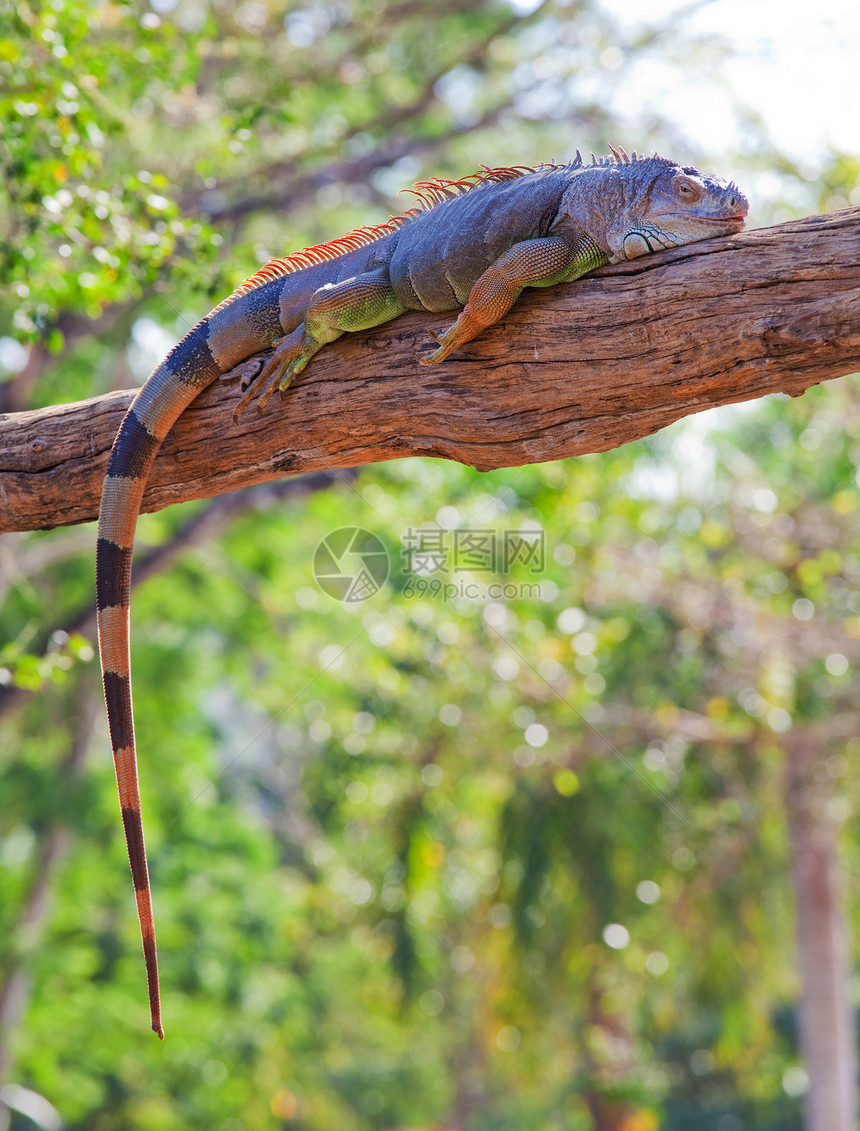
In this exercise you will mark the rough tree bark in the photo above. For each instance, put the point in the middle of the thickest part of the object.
(587, 367)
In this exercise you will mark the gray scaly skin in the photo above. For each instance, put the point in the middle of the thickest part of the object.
(474, 244)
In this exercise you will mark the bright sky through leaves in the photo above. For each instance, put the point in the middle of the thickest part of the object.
(795, 66)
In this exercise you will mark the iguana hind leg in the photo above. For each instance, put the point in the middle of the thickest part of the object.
(335, 309)
(532, 263)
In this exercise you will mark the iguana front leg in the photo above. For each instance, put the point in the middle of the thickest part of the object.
(532, 263)
(337, 308)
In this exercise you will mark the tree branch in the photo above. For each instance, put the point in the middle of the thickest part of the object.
(586, 367)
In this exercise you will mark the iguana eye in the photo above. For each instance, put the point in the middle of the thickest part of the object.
(687, 190)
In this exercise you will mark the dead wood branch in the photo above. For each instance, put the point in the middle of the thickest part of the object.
(583, 368)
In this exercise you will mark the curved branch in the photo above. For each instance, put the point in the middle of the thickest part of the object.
(586, 367)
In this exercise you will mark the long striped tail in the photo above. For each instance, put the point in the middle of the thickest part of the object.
(186, 371)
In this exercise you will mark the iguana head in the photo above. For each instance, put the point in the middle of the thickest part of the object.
(681, 205)
(644, 204)
(671, 205)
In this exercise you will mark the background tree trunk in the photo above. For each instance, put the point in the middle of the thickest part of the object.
(828, 1031)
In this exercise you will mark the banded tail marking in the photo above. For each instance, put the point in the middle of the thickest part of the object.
(188, 369)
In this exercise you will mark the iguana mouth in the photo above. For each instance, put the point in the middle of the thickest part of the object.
(723, 219)
(737, 218)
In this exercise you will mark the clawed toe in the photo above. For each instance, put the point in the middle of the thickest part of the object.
(266, 380)
(434, 355)
(276, 373)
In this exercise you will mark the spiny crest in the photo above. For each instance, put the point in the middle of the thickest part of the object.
(619, 157)
(434, 191)
(429, 193)
(321, 252)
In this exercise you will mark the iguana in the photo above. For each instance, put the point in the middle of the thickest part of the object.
(474, 243)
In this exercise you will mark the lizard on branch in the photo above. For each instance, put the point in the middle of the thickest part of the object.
(472, 244)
